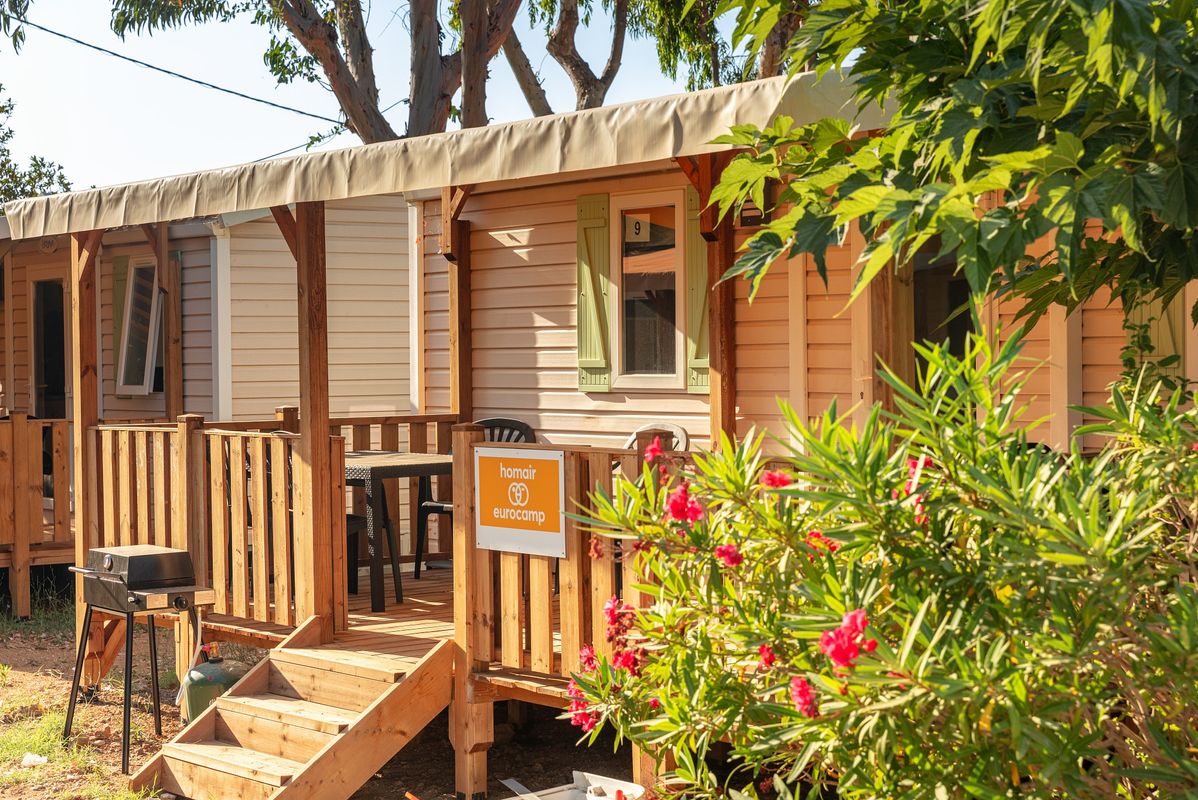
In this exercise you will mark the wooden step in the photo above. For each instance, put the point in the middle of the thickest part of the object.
(280, 708)
(322, 686)
(231, 759)
(376, 667)
(269, 736)
(185, 779)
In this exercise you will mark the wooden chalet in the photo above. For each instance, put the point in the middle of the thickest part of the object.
(564, 273)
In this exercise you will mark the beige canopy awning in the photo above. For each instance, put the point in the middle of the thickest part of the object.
(612, 136)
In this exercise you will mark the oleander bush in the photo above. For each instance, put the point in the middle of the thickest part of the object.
(923, 605)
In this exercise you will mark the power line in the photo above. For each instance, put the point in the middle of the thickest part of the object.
(309, 142)
(173, 74)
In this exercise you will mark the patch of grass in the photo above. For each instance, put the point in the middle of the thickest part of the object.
(5, 671)
(51, 615)
(42, 735)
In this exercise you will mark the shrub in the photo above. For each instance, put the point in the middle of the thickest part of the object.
(926, 605)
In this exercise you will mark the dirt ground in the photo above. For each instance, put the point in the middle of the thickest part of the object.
(36, 661)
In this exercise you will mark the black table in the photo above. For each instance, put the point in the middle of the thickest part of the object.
(369, 468)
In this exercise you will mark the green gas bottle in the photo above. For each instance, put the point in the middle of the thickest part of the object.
(208, 680)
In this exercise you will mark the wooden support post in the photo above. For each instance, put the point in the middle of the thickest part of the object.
(722, 327)
(288, 418)
(704, 173)
(1065, 374)
(453, 200)
(892, 328)
(471, 724)
(170, 283)
(85, 412)
(188, 522)
(313, 546)
(23, 522)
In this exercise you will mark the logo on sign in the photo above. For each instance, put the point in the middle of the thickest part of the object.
(518, 494)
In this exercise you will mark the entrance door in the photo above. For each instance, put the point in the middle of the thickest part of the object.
(941, 298)
(49, 356)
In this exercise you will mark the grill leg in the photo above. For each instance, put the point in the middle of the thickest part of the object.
(128, 693)
(154, 675)
(86, 631)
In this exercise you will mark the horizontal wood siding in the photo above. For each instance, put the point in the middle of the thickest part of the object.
(762, 351)
(197, 333)
(523, 312)
(829, 331)
(1103, 339)
(366, 240)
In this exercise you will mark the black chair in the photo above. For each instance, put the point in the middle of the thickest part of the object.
(496, 429)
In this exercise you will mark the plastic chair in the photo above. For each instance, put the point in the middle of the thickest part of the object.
(680, 440)
(496, 429)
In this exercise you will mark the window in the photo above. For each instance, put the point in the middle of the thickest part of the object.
(648, 310)
(140, 331)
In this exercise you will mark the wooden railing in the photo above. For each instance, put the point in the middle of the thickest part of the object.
(416, 433)
(35, 500)
(512, 612)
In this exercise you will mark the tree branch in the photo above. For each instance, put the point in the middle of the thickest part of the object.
(361, 107)
(589, 90)
(526, 76)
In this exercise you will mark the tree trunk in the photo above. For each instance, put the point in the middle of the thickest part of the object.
(473, 14)
(773, 52)
(526, 76)
(589, 90)
(436, 78)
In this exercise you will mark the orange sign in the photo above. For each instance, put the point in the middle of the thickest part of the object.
(520, 500)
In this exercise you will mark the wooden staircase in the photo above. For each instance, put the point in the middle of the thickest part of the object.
(308, 721)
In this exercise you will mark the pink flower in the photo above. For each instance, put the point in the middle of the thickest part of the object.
(915, 467)
(729, 554)
(767, 657)
(654, 703)
(802, 694)
(587, 659)
(843, 645)
(682, 506)
(653, 451)
(620, 617)
(775, 480)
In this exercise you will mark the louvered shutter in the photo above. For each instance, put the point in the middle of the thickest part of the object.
(594, 294)
(697, 294)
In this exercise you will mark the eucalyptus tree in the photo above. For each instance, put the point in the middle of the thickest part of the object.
(38, 176)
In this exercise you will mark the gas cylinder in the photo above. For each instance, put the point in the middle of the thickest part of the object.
(208, 680)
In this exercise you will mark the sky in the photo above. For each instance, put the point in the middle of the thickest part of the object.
(108, 121)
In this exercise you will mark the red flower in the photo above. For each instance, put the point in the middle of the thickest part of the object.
(843, 645)
(654, 703)
(816, 540)
(595, 551)
(915, 467)
(581, 715)
(620, 617)
(682, 506)
(768, 657)
(586, 658)
(729, 554)
(775, 480)
(653, 451)
(802, 694)
(629, 659)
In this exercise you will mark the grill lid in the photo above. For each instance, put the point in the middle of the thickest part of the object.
(143, 566)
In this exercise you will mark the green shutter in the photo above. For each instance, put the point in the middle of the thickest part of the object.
(1166, 329)
(697, 294)
(120, 279)
(594, 293)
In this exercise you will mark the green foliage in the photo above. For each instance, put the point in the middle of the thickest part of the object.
(39, 176)
(1066, 119)
(1035, 612)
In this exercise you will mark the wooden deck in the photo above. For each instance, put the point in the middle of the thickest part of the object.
(406, 630)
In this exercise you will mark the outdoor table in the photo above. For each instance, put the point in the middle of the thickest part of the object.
(369, 468)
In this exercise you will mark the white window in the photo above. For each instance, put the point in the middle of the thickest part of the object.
(140, 330)
(649, 303)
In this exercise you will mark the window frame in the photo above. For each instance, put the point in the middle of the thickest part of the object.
(618, 204)
(146, 387)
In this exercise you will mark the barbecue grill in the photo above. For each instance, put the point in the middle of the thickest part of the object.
(137, 580)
